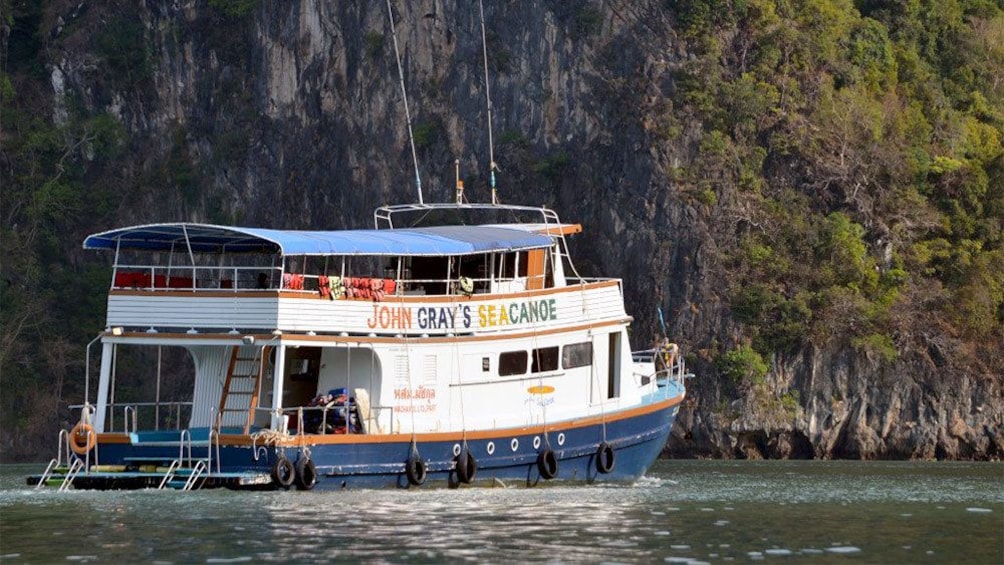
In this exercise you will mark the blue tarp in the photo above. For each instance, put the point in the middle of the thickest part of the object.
(204, 238)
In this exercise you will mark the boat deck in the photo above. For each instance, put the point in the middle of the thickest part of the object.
(123, 480)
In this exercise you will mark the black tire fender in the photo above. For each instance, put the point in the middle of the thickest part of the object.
(547, 464)
(416, 470)
(605, 458)
(283, 472)
(306, 474)
(467, 466)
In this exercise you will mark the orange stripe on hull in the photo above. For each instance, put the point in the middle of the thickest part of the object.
(237, 440)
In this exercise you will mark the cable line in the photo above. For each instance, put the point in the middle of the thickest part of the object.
(404, 94)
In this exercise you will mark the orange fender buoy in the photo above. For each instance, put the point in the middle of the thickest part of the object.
(83, 438)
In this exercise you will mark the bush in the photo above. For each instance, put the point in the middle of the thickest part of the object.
(743, 366)
(553, 166)
(123, 46)
(234, 8)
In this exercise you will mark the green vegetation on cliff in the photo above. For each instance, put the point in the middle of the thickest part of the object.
(856, 148)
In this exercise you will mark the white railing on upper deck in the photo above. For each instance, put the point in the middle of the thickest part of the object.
(250, 279)
(156, 277)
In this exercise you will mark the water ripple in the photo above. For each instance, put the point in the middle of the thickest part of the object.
(685, 512)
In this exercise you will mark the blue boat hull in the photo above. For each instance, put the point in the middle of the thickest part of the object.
(508, 457)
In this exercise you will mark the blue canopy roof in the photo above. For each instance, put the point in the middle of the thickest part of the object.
(429, 241)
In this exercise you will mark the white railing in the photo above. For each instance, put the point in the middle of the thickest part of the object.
(71, 474)
(130, 414)
(237, 280)
(225, 279)
(369, 424)
(197, 470)
(169, 474)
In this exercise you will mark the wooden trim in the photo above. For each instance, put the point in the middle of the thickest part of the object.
(561, 229)
(389, 339)
(535, 269)
(114, 437)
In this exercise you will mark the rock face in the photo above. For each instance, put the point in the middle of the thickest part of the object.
(291, 115)
(852, 408)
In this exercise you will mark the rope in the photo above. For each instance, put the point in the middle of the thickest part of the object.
(488, 97)
(404, 95)
(268, 437)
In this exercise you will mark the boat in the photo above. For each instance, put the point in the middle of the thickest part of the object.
(451, 344)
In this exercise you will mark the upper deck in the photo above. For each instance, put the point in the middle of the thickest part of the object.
(306, 311)
(444, 280)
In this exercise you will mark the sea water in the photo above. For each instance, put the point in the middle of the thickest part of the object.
(682, 512)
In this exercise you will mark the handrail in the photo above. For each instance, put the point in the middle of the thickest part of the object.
(197, 471)
(170, 473)
(159, 277)
(62, 442)
(71, 474)
(214, 441)
(402, 285)
(53, 464)
(135, 405)
(181, 444)
(125, 418)
(386, 213)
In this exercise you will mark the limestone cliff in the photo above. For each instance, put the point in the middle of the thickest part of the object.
(289, 114)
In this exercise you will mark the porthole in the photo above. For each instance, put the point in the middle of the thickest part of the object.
(491, 448)
(536, 442)
(456, 449)
(514, 444)
(561, 439)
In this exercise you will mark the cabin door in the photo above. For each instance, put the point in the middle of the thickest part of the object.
(302, 367)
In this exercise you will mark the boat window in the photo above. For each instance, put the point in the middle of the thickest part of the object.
(512, 363)
(429, 274)
(507, 266)
(577, 355)
(545, 359)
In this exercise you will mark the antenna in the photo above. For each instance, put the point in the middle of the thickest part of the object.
(488, 96)
(404, 95)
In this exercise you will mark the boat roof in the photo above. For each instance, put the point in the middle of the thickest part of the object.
(426, 241)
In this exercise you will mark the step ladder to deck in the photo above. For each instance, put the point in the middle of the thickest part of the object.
(242, 387)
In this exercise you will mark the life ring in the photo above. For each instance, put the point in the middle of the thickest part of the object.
(467, 466)
(416, 470)
(283, 472)
(605, 458)
(306, 474)
(86, 432)
(547, 464)
(466, 285)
